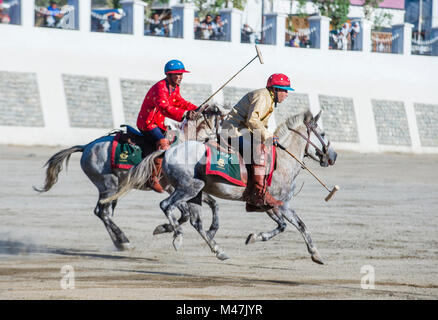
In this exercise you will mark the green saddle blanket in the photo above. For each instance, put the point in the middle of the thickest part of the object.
(226, 165)
(125, 155)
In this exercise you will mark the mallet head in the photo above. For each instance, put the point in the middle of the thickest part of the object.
(259, 54)
(330, 195)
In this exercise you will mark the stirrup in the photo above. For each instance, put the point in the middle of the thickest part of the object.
(254, 208)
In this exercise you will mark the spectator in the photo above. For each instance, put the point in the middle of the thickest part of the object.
(295, 42)
(305, 42)
(53, 8)
(334, 38)
(4, 17)
(197, 29)
(207, 27)
(355, 30)
(53, 14)
(156, 26)
(343, 37)
(218, 29)
(247, 34)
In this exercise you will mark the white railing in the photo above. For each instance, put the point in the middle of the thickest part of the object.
(64, 18)
(133, 21)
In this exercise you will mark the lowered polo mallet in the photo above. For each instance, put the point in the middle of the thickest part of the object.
(204, 104)
(331, 192)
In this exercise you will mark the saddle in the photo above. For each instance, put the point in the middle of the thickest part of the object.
(129, 147)
(134, 137)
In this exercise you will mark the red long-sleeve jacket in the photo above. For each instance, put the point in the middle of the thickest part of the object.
(158, 104)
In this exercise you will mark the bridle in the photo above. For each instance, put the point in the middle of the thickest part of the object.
(217, 115)
(311, 127)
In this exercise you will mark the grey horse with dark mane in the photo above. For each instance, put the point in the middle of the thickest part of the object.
(184, 168)
(96, 164)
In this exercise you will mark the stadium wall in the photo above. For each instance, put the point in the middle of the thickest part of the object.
(66, 87)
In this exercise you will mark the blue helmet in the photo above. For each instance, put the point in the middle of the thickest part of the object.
(174, 66)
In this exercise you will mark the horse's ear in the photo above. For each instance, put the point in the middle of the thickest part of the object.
(317, 116)
(308, 116)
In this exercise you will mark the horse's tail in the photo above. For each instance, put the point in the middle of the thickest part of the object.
(54, 166)
(137, 176)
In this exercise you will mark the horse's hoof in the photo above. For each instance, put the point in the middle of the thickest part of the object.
(251, 238)
(316, 258)
(222, 256)
(159, 230)
(177, 242)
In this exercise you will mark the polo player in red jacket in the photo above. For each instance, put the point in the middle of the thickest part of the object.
(162, 101)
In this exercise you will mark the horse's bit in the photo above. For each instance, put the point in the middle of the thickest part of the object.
(311, 127)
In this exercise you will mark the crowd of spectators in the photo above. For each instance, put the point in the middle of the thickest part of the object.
(346, 37)
(300, 41)
(209, 28)
(4, 16)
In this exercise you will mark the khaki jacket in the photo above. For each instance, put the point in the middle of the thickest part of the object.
(252, 112)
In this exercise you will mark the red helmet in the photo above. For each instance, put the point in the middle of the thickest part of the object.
(279, 80)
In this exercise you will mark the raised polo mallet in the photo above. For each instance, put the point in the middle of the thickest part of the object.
(204, 104)
(331, 192)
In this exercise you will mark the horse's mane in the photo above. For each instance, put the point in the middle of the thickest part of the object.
(291, 122)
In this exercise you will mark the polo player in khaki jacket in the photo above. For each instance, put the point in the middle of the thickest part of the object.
(251, 114)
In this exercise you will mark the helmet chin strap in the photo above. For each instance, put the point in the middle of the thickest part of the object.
(275, 97)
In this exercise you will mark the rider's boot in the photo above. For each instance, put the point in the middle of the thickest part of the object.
(259, 198)
(162, 144)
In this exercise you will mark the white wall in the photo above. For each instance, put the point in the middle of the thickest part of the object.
(359, 75)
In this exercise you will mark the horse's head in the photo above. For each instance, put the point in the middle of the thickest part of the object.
(317, 146)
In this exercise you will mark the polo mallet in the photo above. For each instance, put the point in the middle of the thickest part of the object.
(259, 55)
(331, 192)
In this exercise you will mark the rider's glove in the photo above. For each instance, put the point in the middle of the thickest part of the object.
(191, 115)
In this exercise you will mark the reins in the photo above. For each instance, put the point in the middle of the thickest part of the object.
(311, 127)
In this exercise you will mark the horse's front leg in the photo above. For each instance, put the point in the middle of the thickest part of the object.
(294, 219)
(275, 215)
(196, 221)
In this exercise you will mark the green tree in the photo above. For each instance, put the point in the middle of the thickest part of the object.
(381, 18)
(149, 3)
(369, 6)
(205, 6)
(46, 3)
(337, 10)
(115, 4)
(202, 6)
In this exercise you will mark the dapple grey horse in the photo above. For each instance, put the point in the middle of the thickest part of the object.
(299, 134)
(96, 164)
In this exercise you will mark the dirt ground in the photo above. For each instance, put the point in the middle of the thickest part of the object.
(383, 222)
